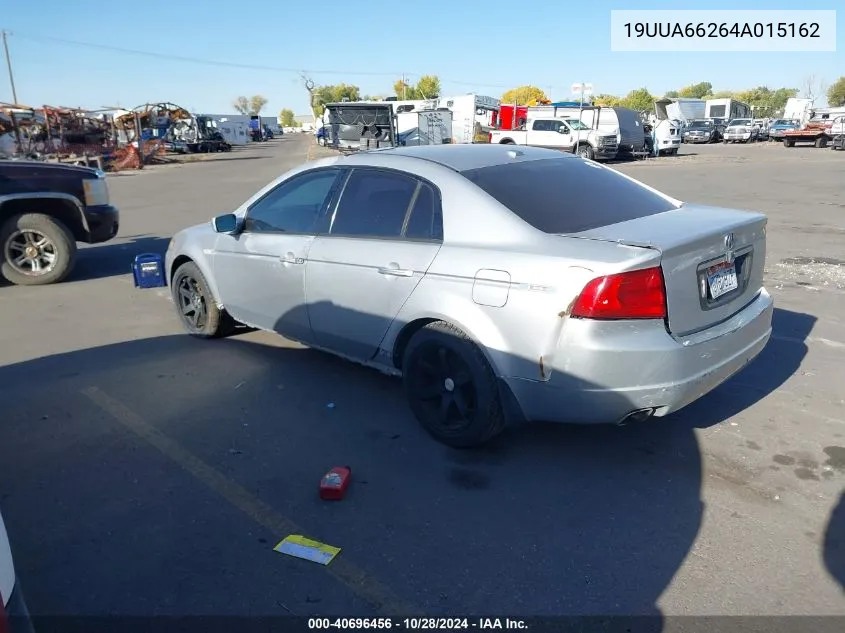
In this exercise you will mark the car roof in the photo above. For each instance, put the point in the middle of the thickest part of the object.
(464, 156)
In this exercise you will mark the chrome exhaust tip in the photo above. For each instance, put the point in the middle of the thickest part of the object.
(640, 415)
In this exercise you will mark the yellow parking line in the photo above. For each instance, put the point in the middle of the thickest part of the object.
(355, 578)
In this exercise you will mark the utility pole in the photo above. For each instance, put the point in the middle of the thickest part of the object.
(404, 85)
(9, 66)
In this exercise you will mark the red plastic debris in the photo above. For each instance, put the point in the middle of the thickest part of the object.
(334, 483)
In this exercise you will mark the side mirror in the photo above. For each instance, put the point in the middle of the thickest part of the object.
(563, 130)
(227, 223)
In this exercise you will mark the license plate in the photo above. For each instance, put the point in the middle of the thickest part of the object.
(721, 279)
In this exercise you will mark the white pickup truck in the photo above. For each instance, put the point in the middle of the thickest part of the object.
(568, 135)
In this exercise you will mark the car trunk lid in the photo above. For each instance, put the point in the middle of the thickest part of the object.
(712, 260)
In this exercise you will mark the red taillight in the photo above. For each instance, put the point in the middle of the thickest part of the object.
(640, 294)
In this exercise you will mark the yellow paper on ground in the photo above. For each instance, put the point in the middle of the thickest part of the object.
(301, 547)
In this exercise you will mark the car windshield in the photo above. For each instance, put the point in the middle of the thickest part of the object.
(701, 124)
(575, 124)
(783, 122)
(740, 122)
(567, 195)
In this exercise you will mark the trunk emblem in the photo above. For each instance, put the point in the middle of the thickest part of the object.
(729, 247)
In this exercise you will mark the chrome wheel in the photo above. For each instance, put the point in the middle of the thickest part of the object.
(30, 252)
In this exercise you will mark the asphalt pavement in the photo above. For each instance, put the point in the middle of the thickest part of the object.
(144, 472)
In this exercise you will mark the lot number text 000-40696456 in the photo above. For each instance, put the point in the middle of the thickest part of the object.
(728, 30)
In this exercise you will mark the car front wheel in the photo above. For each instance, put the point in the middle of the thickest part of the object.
(451, 387)
(37, 250)
(195, 305)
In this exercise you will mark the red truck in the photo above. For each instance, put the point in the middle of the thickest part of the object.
(817, 132)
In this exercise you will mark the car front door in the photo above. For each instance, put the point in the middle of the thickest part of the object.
(385, 231)
(260, 271)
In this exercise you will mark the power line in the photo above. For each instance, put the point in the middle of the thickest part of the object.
(209, 62)
(193, 60)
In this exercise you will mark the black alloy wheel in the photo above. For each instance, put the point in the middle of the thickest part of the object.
(450, 386)
(197, 309)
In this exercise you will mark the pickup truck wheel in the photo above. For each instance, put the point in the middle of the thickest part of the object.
(585, 151)
(821, 142)
(451, 387)
(37, 250)
(196, 306)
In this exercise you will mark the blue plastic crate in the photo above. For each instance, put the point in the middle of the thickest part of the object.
(148, 271)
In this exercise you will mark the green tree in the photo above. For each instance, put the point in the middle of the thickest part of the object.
(766, 102)
(640, 100)
(696, 91)
(428, 87)
(287, 118)
(524, 94)
(321, 95)
(671, 94)
(836, 93)
(607, 101)
(250, 105)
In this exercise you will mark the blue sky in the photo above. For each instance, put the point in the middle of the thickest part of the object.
(474, 46)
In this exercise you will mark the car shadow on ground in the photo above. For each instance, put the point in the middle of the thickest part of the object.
(545, 520)
(114, 258)
(781, 358)
(834, 540)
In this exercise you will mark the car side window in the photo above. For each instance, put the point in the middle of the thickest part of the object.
(540, 126)
(295, 205)
(374, 203)
(426, 219)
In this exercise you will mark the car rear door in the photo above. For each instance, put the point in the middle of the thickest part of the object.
(546, 133)
(384, 233)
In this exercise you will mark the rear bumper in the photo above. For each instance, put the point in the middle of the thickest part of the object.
(669, 144)
(103, 223)
(605, 370)
(17, 613)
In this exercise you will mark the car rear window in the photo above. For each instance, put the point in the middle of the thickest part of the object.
(567, 195)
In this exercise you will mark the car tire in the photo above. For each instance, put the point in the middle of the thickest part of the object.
(451, 387)
(56, 242)
(196, 306)
(585, 151)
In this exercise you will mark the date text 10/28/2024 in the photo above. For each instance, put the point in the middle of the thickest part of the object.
(423, 624)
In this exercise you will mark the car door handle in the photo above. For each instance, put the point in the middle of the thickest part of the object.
(394, 271)
(290, 258)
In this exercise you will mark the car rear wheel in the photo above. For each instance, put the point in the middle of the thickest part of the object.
(36, 250)
(451, 387)
(197, 309)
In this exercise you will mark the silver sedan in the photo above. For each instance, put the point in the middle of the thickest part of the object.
(501, 283)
